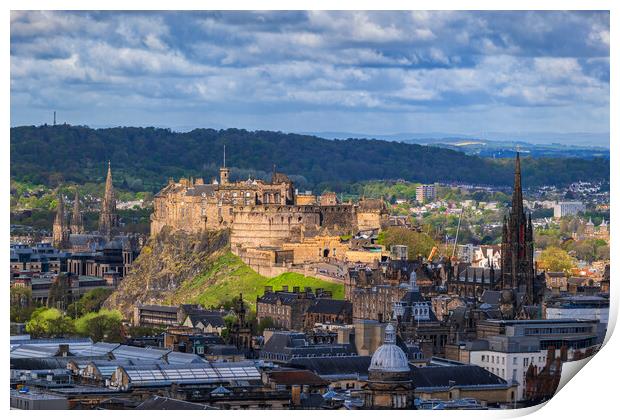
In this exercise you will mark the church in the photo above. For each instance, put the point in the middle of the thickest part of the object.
(105, 252)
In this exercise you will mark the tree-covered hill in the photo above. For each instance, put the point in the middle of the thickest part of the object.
(144, 158)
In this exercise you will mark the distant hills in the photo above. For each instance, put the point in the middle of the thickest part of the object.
(499, 145)
(144, 158)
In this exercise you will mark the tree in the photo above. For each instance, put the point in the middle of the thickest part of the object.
(58, 295)
(49, 322)
(92, 301)
(21, 304)
(417, 242)
(556, 259)
(99, 326)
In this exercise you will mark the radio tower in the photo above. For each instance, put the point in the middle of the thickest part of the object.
(54, 117)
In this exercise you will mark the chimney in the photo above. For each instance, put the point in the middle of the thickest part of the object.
(319, 291)
(344, 336)
(550, 355)
(63, 350)
(296, 395)
(285, 288)
(295, 289)
(327, 294)
(308, 289)
(268, 289)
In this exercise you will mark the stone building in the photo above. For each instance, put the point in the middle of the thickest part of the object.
(259, 213)
(287, 309)
(390, 384)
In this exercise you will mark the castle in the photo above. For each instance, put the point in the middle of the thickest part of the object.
(264, 216)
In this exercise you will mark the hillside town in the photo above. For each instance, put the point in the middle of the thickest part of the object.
(368, 318)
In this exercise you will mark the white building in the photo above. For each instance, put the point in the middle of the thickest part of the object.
(510, 362)
(568, 208)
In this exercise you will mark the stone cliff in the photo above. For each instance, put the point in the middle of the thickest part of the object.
(165, 262)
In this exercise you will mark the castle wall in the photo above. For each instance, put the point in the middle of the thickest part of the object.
(317, 248)
(369, 220)
(256, 226)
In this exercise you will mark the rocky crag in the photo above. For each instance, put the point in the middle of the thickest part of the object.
(165, 263)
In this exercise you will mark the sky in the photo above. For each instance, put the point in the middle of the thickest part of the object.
(471, 73)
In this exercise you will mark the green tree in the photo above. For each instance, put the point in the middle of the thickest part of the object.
(49, 322)
(91, 301)
(417, 242)
(556, 259)
(103, 325)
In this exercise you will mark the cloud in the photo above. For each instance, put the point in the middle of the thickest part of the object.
(259, 67)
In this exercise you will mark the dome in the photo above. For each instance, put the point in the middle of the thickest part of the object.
(389, 357)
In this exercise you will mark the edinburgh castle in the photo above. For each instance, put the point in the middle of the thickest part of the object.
(264, 217)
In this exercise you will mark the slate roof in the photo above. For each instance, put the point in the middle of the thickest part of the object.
(330, 306)
(214, 319)
(222, 350)
(332, 367)
(160, 308)
(443, 377)
(164, 403)
(296, 377)
(295, 345)
(287, 298)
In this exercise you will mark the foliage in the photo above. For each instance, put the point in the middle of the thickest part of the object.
(21, 304)
(417, 242)
(58, 295)
(104, 325)
(143, 159)
(49, 322)
(556, 259)
(91, 301)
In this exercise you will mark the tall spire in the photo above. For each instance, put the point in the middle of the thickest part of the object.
(108, 219)
(60, 232)
(517, 194)
(77, 223)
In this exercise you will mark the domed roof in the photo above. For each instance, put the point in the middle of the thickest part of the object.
(389, 357)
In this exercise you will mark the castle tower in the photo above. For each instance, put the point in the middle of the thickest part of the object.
(108, 219)
(60, 233)
(224, 171)
(77, 223)
(517, 268)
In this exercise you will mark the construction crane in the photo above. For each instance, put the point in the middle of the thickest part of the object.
(432, 254)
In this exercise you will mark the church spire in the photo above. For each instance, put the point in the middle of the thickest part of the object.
(108, 219)
(517, 194)
(77, 224)
(60, 232)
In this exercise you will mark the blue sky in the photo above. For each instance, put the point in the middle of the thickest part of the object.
(364, 72)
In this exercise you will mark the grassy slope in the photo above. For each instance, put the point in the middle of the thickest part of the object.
(228, 276)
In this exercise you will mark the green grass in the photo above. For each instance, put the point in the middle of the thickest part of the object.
(228, 276)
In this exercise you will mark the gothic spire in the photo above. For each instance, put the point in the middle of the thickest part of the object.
(517, 194)
(108, 219)
(59, 229)
(77, 225)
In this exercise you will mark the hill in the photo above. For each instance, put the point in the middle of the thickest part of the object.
(144, 158)
(177, 267)
(228, 276)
